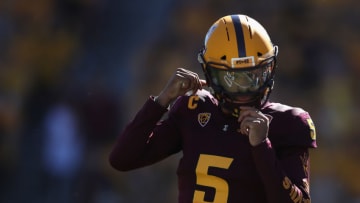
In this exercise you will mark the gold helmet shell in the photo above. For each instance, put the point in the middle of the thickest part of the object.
(237, 41)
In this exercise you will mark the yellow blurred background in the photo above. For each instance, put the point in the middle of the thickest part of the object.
(74, 72)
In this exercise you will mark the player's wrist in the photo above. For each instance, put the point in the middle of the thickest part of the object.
(260, 142)
(162, 101)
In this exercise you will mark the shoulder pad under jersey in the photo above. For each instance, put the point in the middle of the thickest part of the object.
(290, 126)
(192, 102)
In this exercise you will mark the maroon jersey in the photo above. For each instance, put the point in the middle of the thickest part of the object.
(218, 163)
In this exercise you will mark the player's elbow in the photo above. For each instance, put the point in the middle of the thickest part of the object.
(119, 163)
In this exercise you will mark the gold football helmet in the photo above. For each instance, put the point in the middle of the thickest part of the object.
(239, 60)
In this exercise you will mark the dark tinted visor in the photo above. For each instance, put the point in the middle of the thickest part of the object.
(241, 80)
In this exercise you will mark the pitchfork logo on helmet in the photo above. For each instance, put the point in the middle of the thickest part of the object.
(239, 60)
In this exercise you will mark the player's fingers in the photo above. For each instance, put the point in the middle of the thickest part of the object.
(193, 83)
(250, 123)
(184, 78)
(190, 81)
(251, 111)
(245, 125)
(203, 83)
(246, 122)
(245, 112)
(182, 81)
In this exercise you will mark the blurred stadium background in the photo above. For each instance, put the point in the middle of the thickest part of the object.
(73, 72)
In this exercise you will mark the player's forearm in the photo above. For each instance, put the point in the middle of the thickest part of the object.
(130, 148)
(280, 187)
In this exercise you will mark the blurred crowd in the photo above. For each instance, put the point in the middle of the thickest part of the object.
(73, 72)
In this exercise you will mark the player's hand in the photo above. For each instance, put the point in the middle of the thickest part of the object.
(254, 124)
(181, 82)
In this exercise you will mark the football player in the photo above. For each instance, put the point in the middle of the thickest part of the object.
(237, 146)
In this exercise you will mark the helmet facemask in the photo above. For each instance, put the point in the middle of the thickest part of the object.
(235, 87)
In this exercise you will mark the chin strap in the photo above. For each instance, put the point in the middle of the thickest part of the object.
(267, 92)
(234, 108)
(231, 107)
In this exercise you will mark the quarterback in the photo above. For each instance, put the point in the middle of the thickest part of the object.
(237, 146)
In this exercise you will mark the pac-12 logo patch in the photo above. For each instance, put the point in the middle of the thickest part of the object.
(203, 118)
